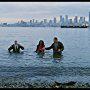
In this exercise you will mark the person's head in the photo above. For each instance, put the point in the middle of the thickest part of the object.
(55, 39)
(41, 42)
(15, 42)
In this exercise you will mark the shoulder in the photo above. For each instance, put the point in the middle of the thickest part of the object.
(19, 45)
(12, 45)
(60, 42)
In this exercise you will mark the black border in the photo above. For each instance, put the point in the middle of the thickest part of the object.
(44, 0)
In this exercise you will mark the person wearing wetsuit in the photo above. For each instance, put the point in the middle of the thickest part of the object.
(57, 47)
(15, 47)
(40, 47)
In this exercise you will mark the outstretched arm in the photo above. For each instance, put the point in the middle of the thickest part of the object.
(48, 48)
(21, 47)
(10, 48)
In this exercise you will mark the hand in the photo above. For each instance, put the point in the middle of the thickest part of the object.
(59, 49)
(43, 48)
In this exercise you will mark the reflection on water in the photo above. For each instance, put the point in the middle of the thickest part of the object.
(73, 65)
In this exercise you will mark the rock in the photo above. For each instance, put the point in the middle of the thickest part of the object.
(69, 83)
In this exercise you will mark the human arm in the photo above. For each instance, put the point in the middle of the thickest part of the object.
(48, 48)
(10, 48)
(21, 47)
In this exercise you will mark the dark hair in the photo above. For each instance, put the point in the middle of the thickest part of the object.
(40, 42)
(55, 38)
(15, 41)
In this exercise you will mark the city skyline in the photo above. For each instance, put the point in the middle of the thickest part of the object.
(15, 11)
(64, 21)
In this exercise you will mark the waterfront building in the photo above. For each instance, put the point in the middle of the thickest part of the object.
(81, 21)
(89, 17)
(70, 22)
(50, 22)
(76, 21)
(89, 20)
(45, 20)
(30, 21)
(61, 18)
(55, 21)
(33, 21)
(66, 20)
(63, 22)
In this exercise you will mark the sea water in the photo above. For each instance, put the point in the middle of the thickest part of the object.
(73, 66)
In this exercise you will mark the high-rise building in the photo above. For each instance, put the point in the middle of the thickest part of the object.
(63, 22)
(84, 19)
(30, 21)
(55, 21)
(66, 18)
(70, 22)
(89, 17)
(33, 20)
(61, 18)
(76, 19)
(50, 22)
(36, 21)
(81, 20)
(45, 20)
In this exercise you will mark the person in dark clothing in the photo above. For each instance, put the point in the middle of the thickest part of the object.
(57, 48)
(15, 47)
(40, 47)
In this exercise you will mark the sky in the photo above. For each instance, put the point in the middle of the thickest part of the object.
(14, 11)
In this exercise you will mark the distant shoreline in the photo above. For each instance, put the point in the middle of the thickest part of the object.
(49, 27)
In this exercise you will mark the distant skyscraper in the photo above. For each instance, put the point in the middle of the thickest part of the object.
(89, 17)
(55, 20)
(36, 21)
(62, 23)
(81, 20)
(45, 20)
(61, 18)
(84, 19)
(33, 20)
(66, 18)
(70, 20)
(30, 21)
(76, 19)
(50, 22)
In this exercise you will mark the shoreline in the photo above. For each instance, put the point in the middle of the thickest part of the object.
(21, 83)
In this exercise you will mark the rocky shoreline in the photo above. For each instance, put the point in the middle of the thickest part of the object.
(44, 85)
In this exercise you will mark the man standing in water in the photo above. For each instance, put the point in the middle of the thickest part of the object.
(57, 48)
(15, 47)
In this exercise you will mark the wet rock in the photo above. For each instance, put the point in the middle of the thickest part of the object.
(69, 83)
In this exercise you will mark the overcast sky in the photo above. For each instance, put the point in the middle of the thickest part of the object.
(14, 11)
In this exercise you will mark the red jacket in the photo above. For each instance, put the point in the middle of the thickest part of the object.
(40, 48)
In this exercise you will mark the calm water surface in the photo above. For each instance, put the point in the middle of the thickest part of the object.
(73, 66)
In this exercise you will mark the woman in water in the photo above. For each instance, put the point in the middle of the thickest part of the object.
(40, 47)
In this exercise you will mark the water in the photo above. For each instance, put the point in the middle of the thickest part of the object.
(73, 66)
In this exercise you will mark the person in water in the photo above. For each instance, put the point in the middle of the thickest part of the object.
(15, 47)
(57, 47)
(40, 47)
